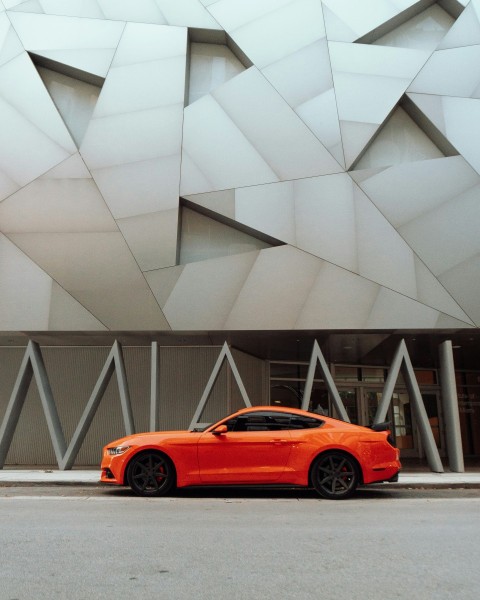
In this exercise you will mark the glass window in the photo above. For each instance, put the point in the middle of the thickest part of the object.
(300, 422)
(349, 399)
(472, 378)
(402, 416)
(231, 424)
(284, 393)
(373, 375)
(319, 401)
(431, 406)
(288, 370)
(346, 373)
(262, 421)
(271, 421)
(426, 377)
(373, 399)
(468, 390)
(290, 394)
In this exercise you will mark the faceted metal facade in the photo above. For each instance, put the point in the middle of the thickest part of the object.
(344, 130)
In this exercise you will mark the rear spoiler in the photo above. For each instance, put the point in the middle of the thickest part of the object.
(385, 426)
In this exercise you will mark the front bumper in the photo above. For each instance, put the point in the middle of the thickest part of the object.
(107, 476)
(112, 469)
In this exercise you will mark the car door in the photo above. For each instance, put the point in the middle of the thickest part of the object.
(255, 449)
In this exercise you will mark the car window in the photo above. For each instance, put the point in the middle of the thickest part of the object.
(231, 424)
(272, 421)
(301, 422)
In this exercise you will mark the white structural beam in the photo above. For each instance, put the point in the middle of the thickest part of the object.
(225, 354)
(32, 365)
(154, 387)
(450, 408)
(113, 363)
(401, 360)
(332, 389)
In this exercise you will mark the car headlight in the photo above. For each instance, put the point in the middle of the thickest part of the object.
(117, 450)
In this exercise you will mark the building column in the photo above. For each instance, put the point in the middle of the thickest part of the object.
(450, 408)
(154, 387)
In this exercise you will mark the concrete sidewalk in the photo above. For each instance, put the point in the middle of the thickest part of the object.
(409, 479)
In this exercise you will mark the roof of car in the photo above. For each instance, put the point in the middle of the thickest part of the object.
(279, 409)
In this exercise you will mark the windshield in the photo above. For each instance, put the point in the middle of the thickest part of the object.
(200, 429)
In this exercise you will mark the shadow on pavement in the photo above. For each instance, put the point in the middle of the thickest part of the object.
(252, 492)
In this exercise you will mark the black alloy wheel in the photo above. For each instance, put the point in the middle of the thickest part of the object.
(335, 475)
(151, 474)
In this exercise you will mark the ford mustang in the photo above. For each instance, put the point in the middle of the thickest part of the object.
(256, 446)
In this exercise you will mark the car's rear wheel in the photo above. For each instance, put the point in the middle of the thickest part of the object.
(151, 474)
(335, 475)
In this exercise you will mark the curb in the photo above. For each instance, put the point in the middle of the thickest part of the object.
(19, 483)
(466, 485)
(383, 486)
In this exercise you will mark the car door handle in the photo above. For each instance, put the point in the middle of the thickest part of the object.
(279, 442)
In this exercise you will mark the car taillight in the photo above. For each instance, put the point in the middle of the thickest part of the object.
(384, 427)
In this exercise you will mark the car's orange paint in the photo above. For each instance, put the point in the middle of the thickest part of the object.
(243, 456)
(257, 457)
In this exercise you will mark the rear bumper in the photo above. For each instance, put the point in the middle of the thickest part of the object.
(383, 472)
(387, 475)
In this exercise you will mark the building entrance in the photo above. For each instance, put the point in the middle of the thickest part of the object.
(361, 404)
(360, 390)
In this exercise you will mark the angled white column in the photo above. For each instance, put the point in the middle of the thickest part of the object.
(450, 408)
(402, 360)
(113, 363)
(332, 389)
(224, 354)
(154, 388)
(32, 365)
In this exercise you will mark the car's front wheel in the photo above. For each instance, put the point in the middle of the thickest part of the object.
(335, 475)
(151, 474)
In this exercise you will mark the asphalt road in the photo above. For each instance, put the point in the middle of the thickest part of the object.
(84, 543)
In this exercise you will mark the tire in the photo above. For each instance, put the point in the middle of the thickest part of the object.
(335, 475)
(151, 474)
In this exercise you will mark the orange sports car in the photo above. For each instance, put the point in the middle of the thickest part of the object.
(256, 446)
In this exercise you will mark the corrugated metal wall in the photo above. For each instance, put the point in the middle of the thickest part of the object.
(73, 373)
(254, 374)
(184, 373)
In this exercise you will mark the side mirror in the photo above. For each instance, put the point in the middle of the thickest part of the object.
(220, 430)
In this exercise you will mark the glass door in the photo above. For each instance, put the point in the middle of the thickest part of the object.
(371, 400)
(350, 400)
(361, 404)
(431, 401)
(403, 426)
